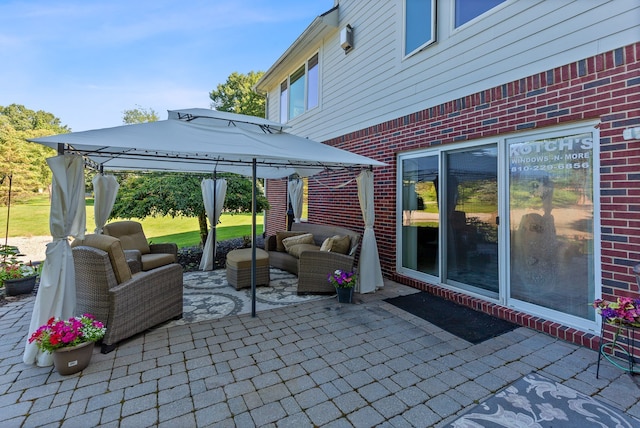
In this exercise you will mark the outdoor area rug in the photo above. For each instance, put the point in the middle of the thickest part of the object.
(462, 321)
(207, 295)
(534, 401)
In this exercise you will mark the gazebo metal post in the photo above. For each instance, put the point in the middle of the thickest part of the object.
(6, 235)
(254, 204)
(214, 226)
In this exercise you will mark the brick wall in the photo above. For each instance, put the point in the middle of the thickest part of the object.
(276, 218)
(605, 87)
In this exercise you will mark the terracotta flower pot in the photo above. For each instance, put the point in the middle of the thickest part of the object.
(13, 287)
(73, 359)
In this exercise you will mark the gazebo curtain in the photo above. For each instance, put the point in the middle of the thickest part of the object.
(370, 274)
(105, 190)
(209, 186)
(56, 295)
(296, 187)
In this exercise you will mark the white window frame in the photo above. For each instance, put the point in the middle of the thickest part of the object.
(433, 30)
(285, 113)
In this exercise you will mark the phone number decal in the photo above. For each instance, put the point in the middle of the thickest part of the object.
(576, 165)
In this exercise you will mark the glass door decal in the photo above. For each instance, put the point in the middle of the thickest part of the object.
(551, 223)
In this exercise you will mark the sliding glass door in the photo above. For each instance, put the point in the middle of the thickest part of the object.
(420, 215)
(450, 201)
(542, 258)
(552, 222)
(472, 218)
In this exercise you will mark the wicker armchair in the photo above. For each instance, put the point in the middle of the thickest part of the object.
(134, 242)
(127, 303)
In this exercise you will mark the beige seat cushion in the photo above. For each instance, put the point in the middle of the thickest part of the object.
(241, 258)
(306, 238)
(111, 246)
(295, 250)
(154, 260)
(283, 235)
(130, 234)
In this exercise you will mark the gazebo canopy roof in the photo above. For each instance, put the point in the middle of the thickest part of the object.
(201, 140)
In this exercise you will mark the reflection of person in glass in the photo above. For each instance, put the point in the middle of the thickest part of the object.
(544, 189)
(535, 242)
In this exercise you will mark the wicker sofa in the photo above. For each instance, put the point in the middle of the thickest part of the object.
(312, 265)
(127, 301)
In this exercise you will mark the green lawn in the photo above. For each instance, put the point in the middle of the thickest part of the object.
(32, 219)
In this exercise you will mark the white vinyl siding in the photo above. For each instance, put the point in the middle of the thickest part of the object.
(376, 82)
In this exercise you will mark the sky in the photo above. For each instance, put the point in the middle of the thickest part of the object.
(87, 61)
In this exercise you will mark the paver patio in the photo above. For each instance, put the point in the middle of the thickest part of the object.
(315, 364)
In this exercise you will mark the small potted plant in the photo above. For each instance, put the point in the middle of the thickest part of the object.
(624, 312)
(343, 282)
(16, 276)
(70, 342)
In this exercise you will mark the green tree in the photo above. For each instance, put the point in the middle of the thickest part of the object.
(178, 194)
(25, 161)
(139, 115)
(237, 95)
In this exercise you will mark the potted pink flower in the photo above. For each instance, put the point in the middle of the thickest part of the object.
(70, 342)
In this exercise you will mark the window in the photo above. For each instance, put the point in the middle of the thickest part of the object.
(312, 82)
(300, 92)
(466, 10)
(420, 24)
(296, 93)
(284, 101)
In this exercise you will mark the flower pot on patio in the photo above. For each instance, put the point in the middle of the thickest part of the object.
(345, 295)
(344, 282)
(73, 359)
(14, 287)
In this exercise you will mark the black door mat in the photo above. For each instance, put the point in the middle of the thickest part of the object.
(462, 321)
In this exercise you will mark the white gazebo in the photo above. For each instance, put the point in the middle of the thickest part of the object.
(190, 140)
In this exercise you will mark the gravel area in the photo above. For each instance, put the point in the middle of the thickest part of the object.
(33, 247)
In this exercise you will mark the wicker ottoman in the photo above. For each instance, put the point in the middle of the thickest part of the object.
(239, 268)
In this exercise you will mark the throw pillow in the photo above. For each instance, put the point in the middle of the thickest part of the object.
(307, 238)
(327, 244)
(341, 244)
(283, 235)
